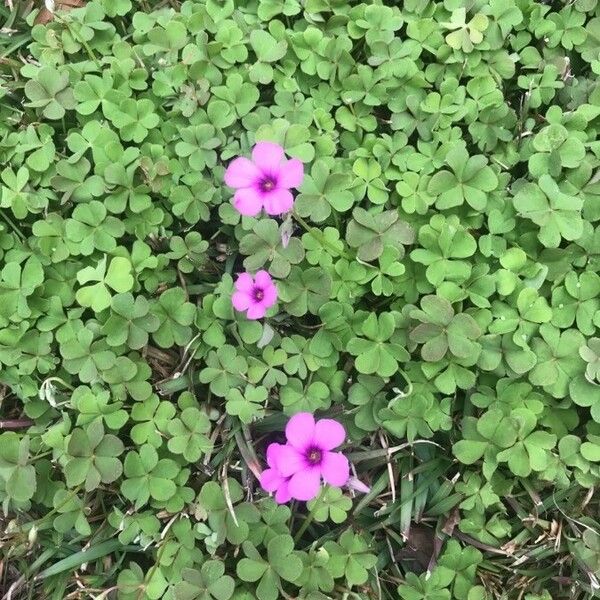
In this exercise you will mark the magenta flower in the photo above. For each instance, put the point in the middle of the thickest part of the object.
(264, 181)
(358, 486)
(272, 480)
(255, 295)
(308, 456)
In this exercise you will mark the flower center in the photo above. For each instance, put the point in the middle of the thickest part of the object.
(258, 294)
(267, 184)
(314, 456)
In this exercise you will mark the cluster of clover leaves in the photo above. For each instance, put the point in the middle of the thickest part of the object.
(449, 251)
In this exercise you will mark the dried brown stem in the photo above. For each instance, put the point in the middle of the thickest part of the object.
(16, 423)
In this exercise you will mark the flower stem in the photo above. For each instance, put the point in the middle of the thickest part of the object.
(318, 235)
(244, 446)
(76, 36)
(311, 515)
(16, 423)
(13, 226)
(72, 493)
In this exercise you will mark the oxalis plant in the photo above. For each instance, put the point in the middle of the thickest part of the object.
(299, 299)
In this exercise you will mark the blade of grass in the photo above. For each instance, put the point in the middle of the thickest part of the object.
(367, 454)
(407, 497)
(60, 588)
(376, 489)
(443, 491)
(17, 42)
(444, 506)
(422, 484)
(83, 556)
(37, 563)
(172, 385)
(420, 503)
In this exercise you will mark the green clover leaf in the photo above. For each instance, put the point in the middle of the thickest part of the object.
(117, 277)
(147, 476)
(264, 246)
(176, 315)
(469, 181)
(133, 118)
(207, 584)
(377, 351)
(93, 457)
(282, 563)
(249, 405)
(444, 243)
(442, 331)
(466, 34)
(51, 92)
(231, 525)
(350, 558)
(224, 370)
(323, 191)
(19, 477)
(151, 418)
(557, 215)
(371, 233)
(187, 434)
(332, 504)
(130, 321)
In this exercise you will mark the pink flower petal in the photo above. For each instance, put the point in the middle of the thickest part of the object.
(244, 283)
(335, 468)
(241, 173)
(273, 451)
(290, 461)
(248, 202)
(262, 279)
(286, 230)
(329, 434)
(358, 485)
(291, 174)
(270, 296)
(283, 493)
(300, 430)
(305, 485)
(240, 300)
(270, 480)
(268, 156)
(256, 311)
(265, 283)
(278, 201)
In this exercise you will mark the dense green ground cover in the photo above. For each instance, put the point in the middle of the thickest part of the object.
(439, 296)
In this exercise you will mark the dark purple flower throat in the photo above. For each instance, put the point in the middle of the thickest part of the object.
(314, 456)
(267, 183)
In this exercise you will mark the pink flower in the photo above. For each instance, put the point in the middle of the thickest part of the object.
(308, 456)
(272, 480)
(255, 295)
(358, 486)
(264, 181)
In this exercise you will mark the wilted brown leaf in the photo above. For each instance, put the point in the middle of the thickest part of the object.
(45, 16)
(419, 549)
